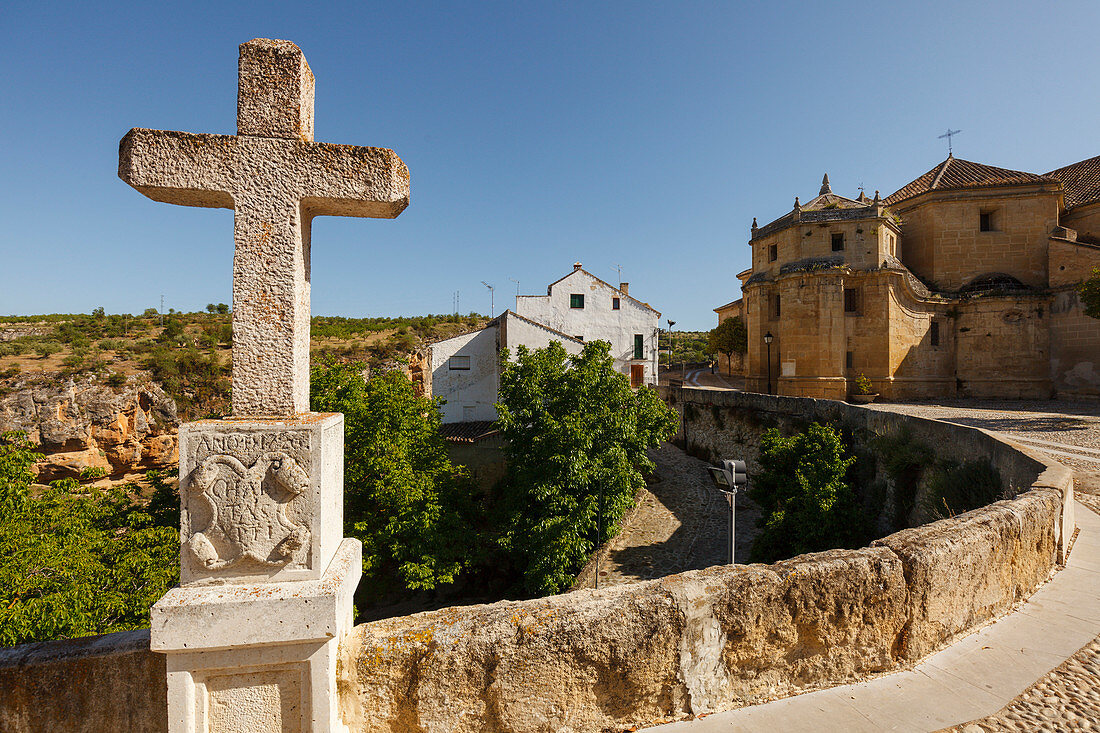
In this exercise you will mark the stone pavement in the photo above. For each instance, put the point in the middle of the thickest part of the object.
(1067, 431)
(989, 673)
(680, 524)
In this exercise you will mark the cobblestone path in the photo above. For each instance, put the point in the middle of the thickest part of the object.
(680, 524)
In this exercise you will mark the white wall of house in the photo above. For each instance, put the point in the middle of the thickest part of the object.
(470, 393)
(598, 319)
(466, 369)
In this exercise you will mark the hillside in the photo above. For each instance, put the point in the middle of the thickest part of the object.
(189, 354)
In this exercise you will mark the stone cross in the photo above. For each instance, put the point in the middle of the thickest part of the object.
(276, 179)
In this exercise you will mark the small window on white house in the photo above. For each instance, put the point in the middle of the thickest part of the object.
(576, 300)
(614, 304)
(459, 363)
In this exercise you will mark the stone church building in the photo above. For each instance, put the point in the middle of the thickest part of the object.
(961, 283)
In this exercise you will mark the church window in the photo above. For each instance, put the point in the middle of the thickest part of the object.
(614, 304)
(773, 252)
(838, 241)
(458, 363)
(639, 346)
(987, 222)
(849, 359)
(775, 306)
(576, 300)
(934, 333)
(851, 300)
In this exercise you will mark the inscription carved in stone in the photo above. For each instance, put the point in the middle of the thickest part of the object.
(247, 507)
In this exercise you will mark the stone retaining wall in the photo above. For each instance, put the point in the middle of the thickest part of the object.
(697, 642)
(726, 636)
(97, 684)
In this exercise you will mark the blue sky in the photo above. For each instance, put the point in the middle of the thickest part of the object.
(646, 135)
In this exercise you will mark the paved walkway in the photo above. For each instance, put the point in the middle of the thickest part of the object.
(975, 677)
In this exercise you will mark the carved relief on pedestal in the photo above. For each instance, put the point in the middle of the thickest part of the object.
(247, 508)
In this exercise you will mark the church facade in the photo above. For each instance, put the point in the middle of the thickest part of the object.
(961, 283)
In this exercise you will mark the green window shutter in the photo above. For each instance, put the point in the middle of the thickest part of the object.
(639, 346)
(576, 300)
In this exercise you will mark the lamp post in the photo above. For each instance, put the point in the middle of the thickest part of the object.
(768, 340)
(728, 478)
(670, 342)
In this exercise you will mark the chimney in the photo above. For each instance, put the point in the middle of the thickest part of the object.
(625, 288)
(576, 266)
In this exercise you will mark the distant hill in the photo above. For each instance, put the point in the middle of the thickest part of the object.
(189, 354)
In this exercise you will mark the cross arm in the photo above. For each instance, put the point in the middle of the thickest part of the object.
(351, 180)
(178, 167)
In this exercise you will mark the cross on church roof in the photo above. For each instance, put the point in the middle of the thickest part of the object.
(276, 179)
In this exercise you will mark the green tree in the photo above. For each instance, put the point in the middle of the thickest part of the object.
(1089, 291)
(46, 349)
(728, 337)
(573, 430)
(412, 509)
(75, 562)
(222, 308)
(806, 501)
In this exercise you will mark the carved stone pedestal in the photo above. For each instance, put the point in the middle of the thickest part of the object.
(267, 578)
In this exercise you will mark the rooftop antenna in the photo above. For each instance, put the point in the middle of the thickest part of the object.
(620, 269)
(517, 285)
(948, 134)
(492, 304)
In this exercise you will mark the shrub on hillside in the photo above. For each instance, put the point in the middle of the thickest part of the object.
(76, 561)
(806, 501)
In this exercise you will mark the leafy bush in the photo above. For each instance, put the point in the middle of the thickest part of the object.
(573, 431)
(412, 510)
(807, 504)
(72, 562)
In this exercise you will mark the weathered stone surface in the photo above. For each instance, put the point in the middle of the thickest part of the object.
(592, 660)
(98, 684)
(276, 179)
(88, 425)
(261, 499)
(971, 568)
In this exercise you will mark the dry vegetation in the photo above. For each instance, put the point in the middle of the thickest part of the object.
(189, 354)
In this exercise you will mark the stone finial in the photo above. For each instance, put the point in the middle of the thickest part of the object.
(825, 187)
(877, 199)
(754, 227)
(275, 91)
(797, 206)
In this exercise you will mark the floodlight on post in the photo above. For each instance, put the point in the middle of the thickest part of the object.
(768, 341)
(492, 303)
(728, 477)
(671, 323)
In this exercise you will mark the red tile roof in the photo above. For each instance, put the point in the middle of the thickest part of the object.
(955, 173)
(1080, 182)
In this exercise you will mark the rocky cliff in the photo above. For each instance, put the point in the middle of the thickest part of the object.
(80, 425)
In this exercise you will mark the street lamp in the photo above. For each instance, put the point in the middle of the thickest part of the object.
(670, 325)
(768, 340)
(731, 476)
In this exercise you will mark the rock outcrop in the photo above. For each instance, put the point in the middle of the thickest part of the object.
(80, 425)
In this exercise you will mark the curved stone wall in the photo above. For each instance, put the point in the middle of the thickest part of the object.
(696, 642)
(726, 636)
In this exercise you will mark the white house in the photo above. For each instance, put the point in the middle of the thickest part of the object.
(465, 370)
(589, 309)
